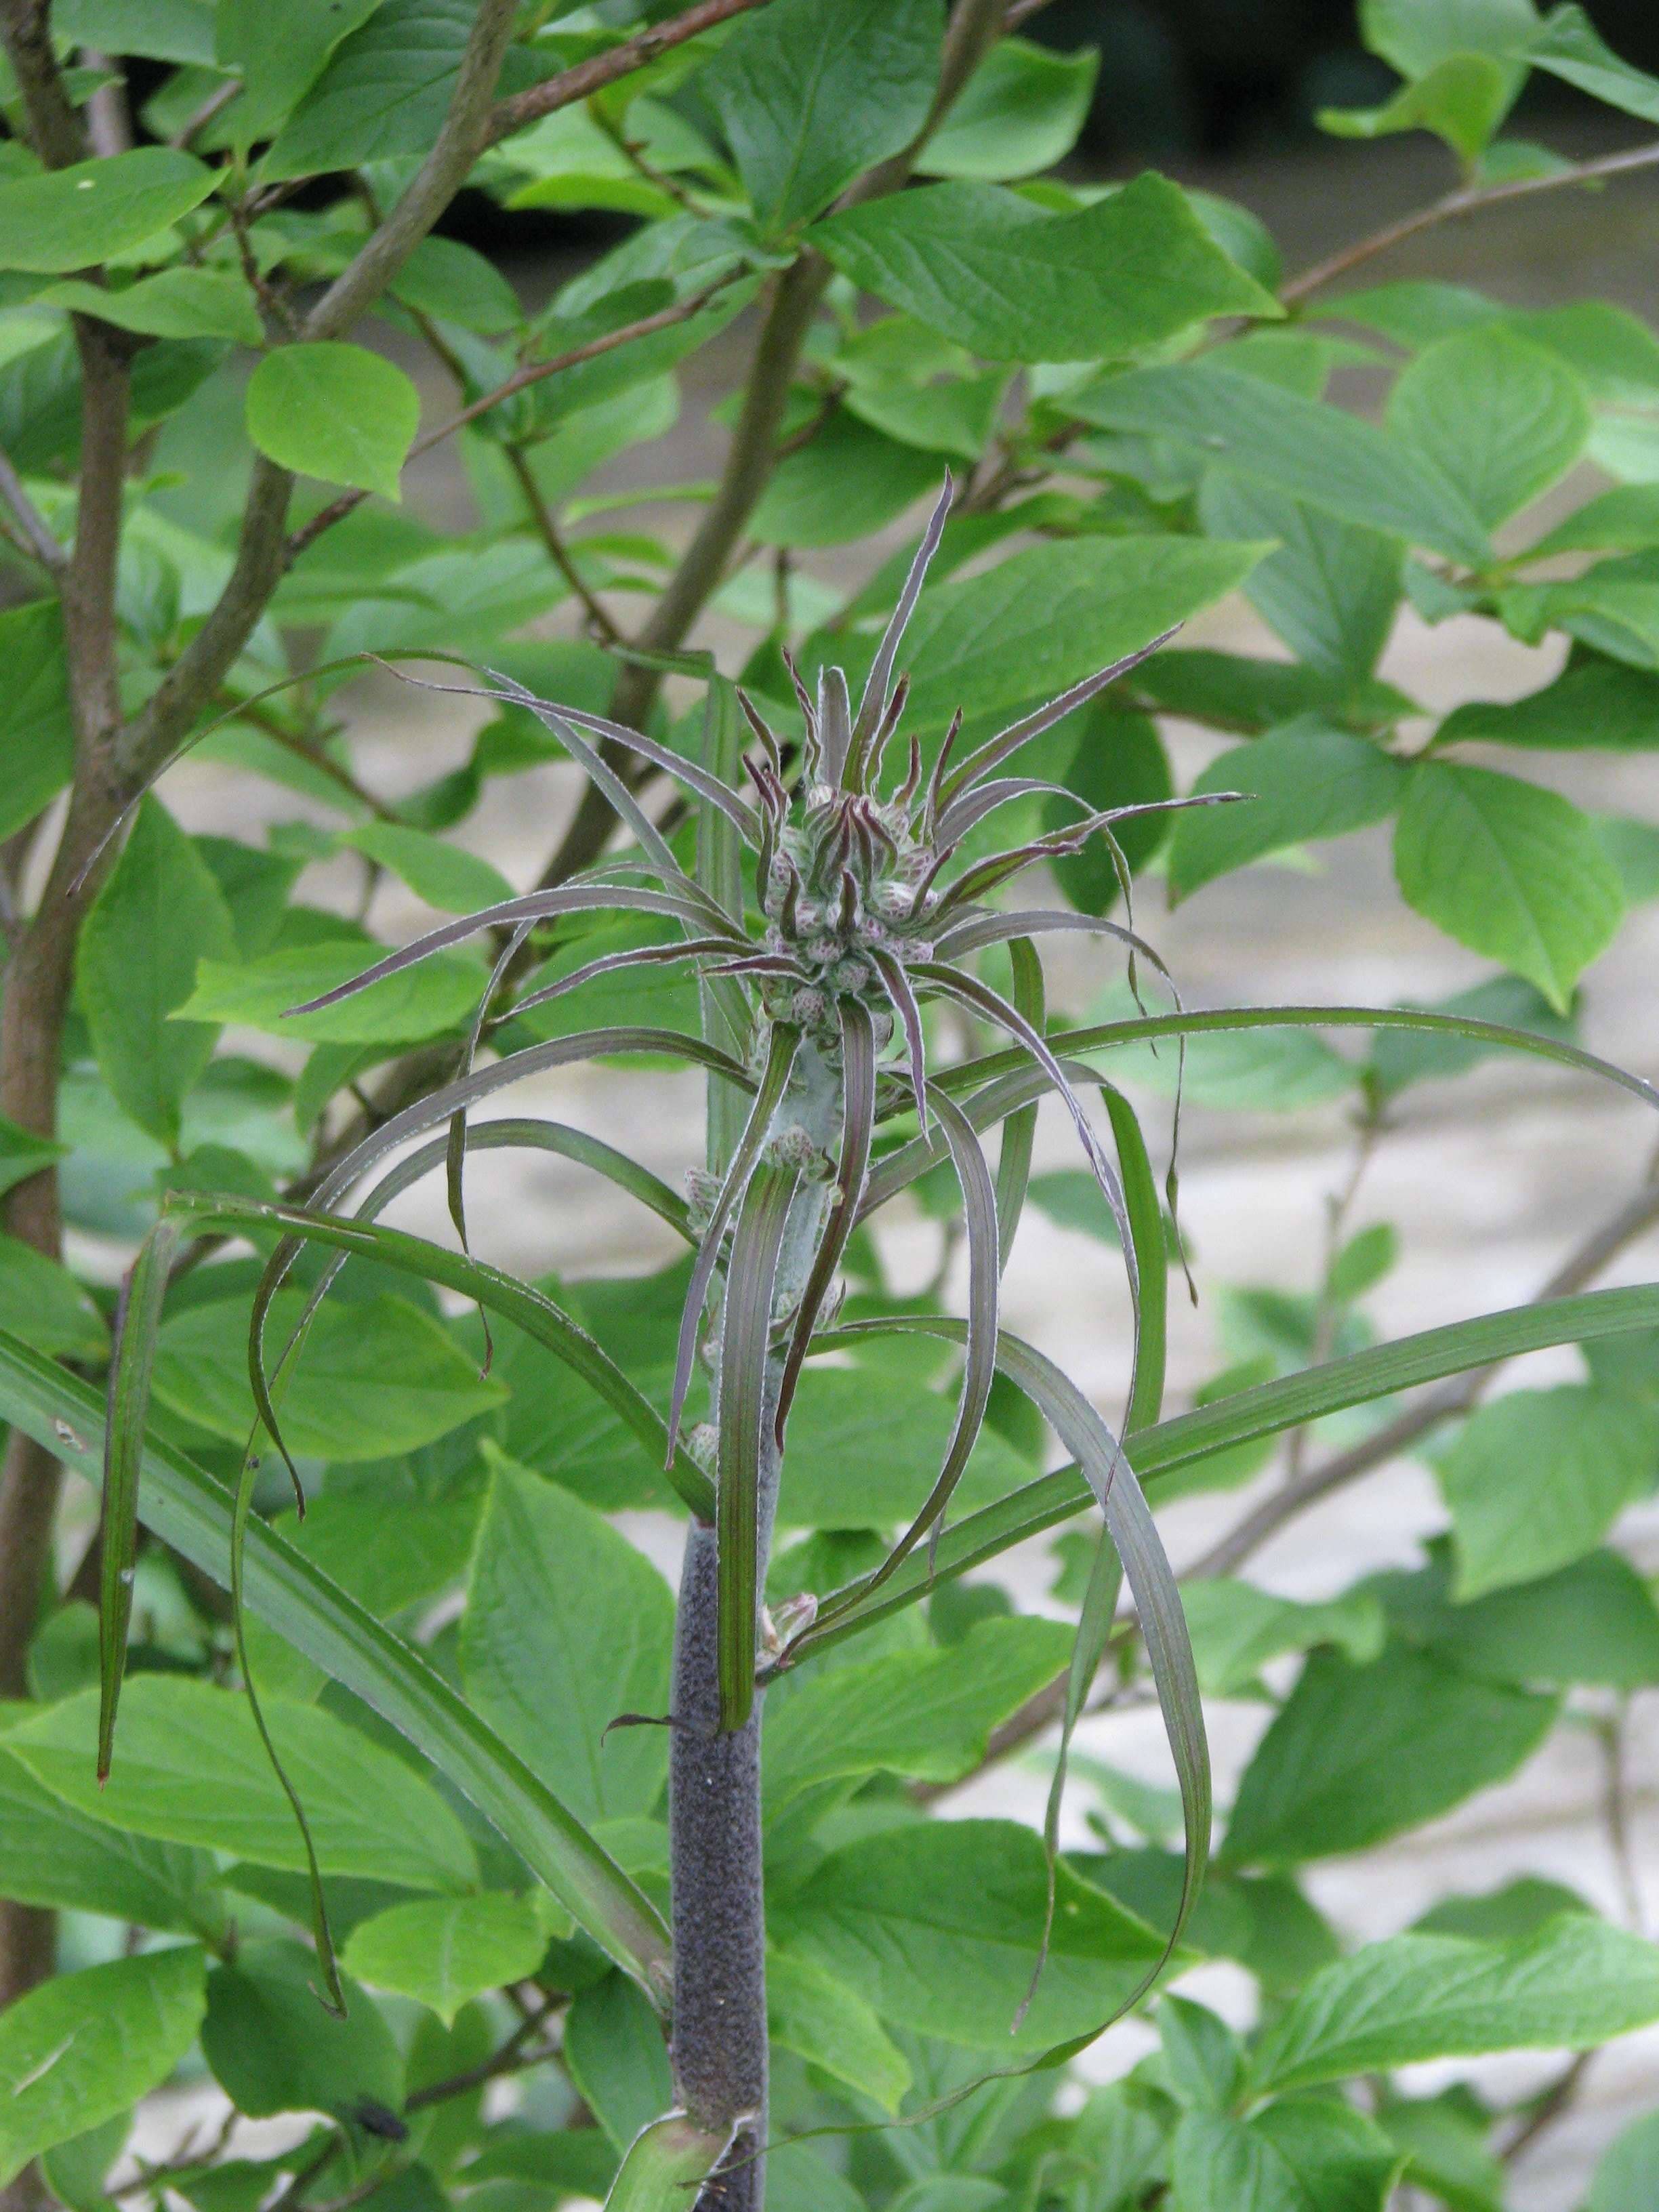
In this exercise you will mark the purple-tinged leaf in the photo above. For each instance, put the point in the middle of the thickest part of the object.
(858, 1121)
(1019, 1130)
(638, 955)
(745, 1335)
(998, 749)
(896, 984)
(873, 699)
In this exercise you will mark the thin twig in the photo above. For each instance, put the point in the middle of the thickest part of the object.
(1448, 1398)
(547, 530)
(45, 547)
(1469, 199)
(508, 2058)
(1549, 2107)
(598, 70)
(521, 381)
(216, 101)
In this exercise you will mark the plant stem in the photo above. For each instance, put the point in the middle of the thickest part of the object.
(1467, 200)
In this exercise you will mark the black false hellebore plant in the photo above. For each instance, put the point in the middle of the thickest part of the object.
(813, 1040)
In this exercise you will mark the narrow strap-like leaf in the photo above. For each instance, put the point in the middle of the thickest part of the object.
(526, 1308)
(706, 786)
(720, 876)
(666, 2165)
(1266, 1409)
(511, 914)
(858, 1121)
(979, 1207)
(873, 699)
(190, 1510)
(1019, 1130)
(896, 984)
(780, 1060)
(137, 1319)
(976, 930)
(986, 875)
(636, 955)
(455, 1144)
(1151, 1262)
(997, 750)
(745, 1332)
(1201, 1021)
(979, 998)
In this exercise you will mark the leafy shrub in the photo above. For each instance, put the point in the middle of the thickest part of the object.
(398, 1757)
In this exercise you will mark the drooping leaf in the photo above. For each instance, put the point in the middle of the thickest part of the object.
(337, 411)
(567, 1627)
(1013, 284)
(1578, 1982)
(811, 2013)
(810, 96)
(1508, 869)
(159, 913)
(445, 1951)
(74, 217)
(82, 2047)
(273, 2048)
(614, 2049)
(53, 1856)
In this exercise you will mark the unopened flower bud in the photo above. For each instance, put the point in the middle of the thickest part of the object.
(851, 976)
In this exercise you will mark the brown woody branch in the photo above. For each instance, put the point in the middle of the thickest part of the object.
(598, 70)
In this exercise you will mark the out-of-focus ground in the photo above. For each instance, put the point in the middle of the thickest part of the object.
(1490, 1180)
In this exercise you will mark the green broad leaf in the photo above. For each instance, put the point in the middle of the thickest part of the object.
(1043, 618)
(445, 1951)
(454, 881)
(847, 481)
(991, 271)
(1202, 2057)
(1536, 1478)
(1576, 1984)
(1520, 1909)
(924, 1714)
(85, 2046)
(1593, 1622)
(567, 1627)
(174, 303)
(437, 994)
(273, 2048)
(1237, 692)
(159, 913)
(821, 2019)
(956, 417)
(1020, 112)
(37, 731)
(1633, 848)
(1305, 780)
(277, 57)
(1359, 1753)
(161, 30)
(190, 1511)
(1301, 2155)
(936, 1925)
(1400, 1057)
(454, 282)
(51, 1855)
(189, 1768)
(384, 92)
(1623, 520)
(1120, 761)
(41, 1302)
(1569, 48)
(1415, 36)
(1462, 99)
(1511, 870)
(1306, 448)
(75, 217)
(863, 1454)
(1236, 1629)
(614, 2054)
(1627, 2177)
(1242, 1071)
(810, 95)
(374, 1379)
(1613, 607)
(76, 2171)
(1444, 2141)
(337, 411)
(665, 2163)
(1329, 588)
